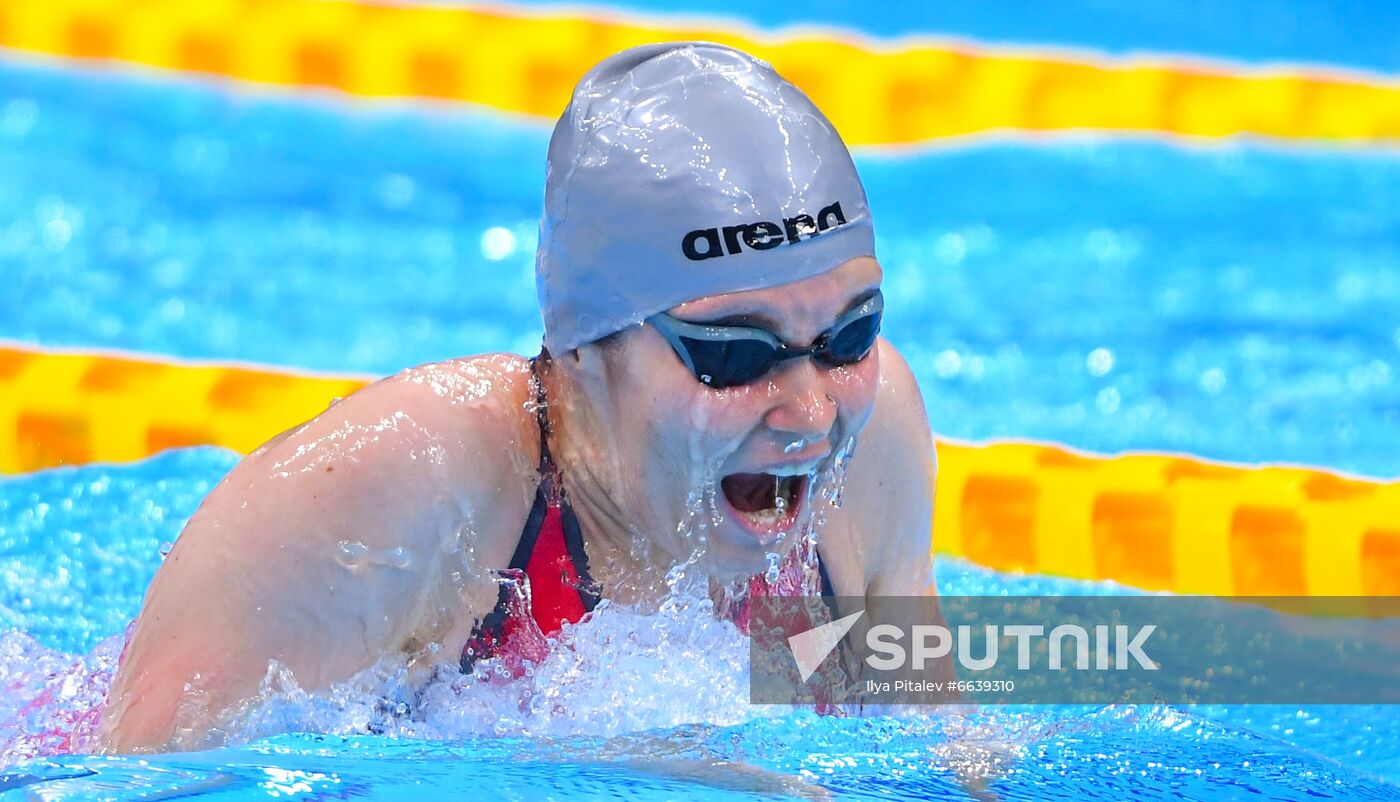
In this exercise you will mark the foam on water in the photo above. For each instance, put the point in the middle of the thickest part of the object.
(51, 702)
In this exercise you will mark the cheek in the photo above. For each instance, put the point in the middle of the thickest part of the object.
(724, 417)
(682, 424)
(854, 388)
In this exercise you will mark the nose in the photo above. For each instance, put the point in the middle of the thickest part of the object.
(803, 406)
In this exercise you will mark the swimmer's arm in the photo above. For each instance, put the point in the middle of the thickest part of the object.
(327, 549)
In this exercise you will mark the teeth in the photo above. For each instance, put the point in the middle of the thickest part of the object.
(784, 503)
(779, 513)
(770, 517)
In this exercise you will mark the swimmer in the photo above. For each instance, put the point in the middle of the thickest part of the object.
(712, 376)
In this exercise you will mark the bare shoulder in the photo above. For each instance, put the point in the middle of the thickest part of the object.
(479, 407)
(458, 429)
(365, 532)
(889, 487)
(483, 394)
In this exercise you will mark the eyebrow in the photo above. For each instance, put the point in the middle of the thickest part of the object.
(763, 321)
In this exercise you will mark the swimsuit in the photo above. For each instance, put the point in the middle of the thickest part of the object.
(548, 582)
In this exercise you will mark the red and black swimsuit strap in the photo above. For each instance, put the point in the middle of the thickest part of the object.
(531, 533)
(551, 489)
(492, 625)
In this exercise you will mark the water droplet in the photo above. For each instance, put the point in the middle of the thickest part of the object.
(351, 553)
(833, 482)
(675, 575)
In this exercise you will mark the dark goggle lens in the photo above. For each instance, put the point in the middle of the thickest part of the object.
(731, 362)
(850, 345)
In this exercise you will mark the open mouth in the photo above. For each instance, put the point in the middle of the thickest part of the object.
(765, 503)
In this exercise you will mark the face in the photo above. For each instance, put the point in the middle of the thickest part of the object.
(729, 474)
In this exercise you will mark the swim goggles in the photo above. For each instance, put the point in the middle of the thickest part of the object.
(725, 356)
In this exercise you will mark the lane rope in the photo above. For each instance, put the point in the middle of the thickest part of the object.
(1155, 521)
(876, 92)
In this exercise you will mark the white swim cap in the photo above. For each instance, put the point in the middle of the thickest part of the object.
(682, 170)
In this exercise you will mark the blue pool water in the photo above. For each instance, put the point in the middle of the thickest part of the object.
(1234, 300)
(78, 545)
(1358, 34)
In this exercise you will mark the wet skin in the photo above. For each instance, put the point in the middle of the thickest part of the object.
(369, 532)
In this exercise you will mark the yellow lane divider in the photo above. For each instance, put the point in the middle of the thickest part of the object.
(1168, 522)
(74, 408)
(876, 92)
(1156, 521)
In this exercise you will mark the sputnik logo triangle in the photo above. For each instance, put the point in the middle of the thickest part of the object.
(810, 648)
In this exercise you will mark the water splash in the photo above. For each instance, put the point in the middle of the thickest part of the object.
(832, 484)
(775, 564)
(666, 694)
(51, 702)
(615, 686)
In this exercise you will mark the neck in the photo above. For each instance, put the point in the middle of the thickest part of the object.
(630, 570)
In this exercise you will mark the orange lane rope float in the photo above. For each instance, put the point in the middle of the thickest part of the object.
(1156, 521)
(877, 93)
